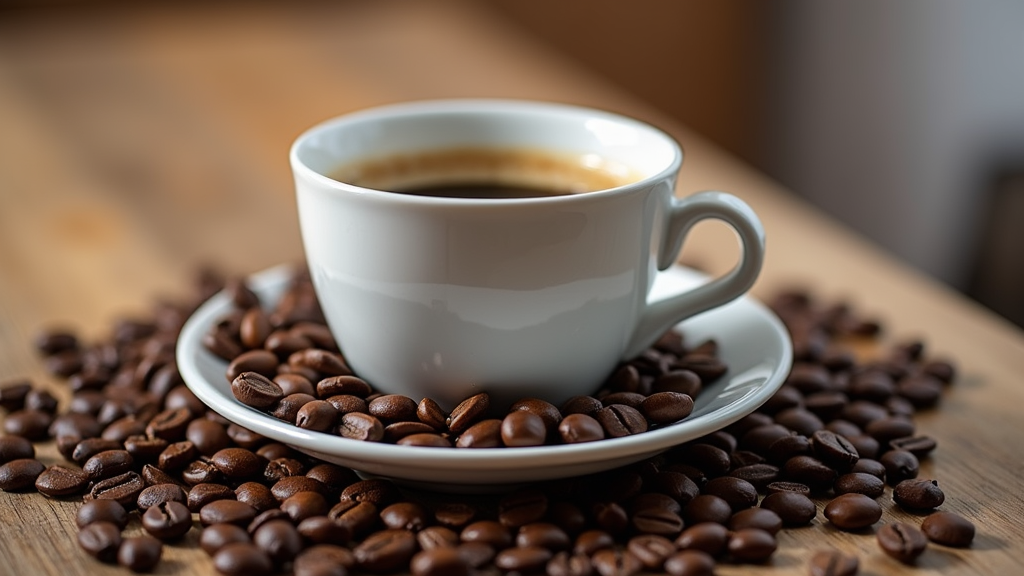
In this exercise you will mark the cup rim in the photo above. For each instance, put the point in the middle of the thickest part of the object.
(478, 105)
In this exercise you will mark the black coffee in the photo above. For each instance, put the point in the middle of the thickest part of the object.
(489, 173)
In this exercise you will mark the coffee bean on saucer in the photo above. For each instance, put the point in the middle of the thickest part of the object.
(256, 390)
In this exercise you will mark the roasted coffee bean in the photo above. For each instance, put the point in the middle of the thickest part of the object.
(324, 560)
(948, 529)
(322, 361)
(590, 541)
(788, 487)
(869, 466)
(151, 476)
(393, 408)
(294, 384)
(287, 408)
(678, 381)
(707, 508)
(256, 495)
(144, 448)
(751, 545)
(794, 508)
(167, 520)
(124, 488)
(386, 551)
(711, 460)
(800, 420)
(483, 434)
(901, 541)
(282, 468)
(108, 463)
(852, 511)
(522, 559)
(922, 390)
(101, 511)
(425, 440)
(40, 400)
(487, 531)
(238, 463)
(15, 448)
(568, 564)
(834, 450)
(256, 390)
(140, 553)
(523, 428)
(59, 481)
(454, 514)
(613, 562)
(860, 483)
(291, 485)
(100, 540)
(658, 521)
(439, 562)
(656, 500)
(12, 394)
(376, 491)
(323, 530)
(29, 424)
(405, 516)
(760, 475)
(808, 378)
(707, 366)
(334, 478)
(202, 494)
(396, 431)
(690, 563)
(437, 537)
(244, 437)
(304, 505)
(760, 438)
(918, 494)
(242, 559)
(160, 493)
(675, 484)
(810, 471)
(275, 450)
(226, 512)
(610, 516)
(920, 446)
(264, 517)
(356, 517)
(430, 413)
(343, 385)
(737, 492)
(523, 507)
(177, 456)
(620, 420)
(899, 465)
(587, 405)
(761, 518)
(833, 563)
(279, 540)
(468, 412)
(359, 426)
(787, 447)
(170, 424)
(216, 536)
(545, 410)
(578, 427)
(631, 399)
(890, 428)
(201, 471)
(651, 550)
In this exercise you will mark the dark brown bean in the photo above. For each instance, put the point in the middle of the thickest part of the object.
(124, 488)
(101, 511)
(238, 463)
(227, 512)
(522, 559)
(59, 481)
(578, 427)
(242, 559)
(613, 562)
(202, 494)
(918, 495)
(302, 505)
(386, 551)
(901, 541)
(852, 511)
(167, 520)
(523, 428)
(324, 560)
(737, 492)
(359, 426)
(833, 563)
(752, 545)
(468, 412)
(256, 390)
(620, 420)
(522, 507)
(439, 562)
(487, 531)
(108, 463)
(690, 563)
(160, 493)
(140, 553)
(899, 465)
(948, 529)
(794, 508)
(707, 508)
(860, 483)
(100, 540)
(279, 539)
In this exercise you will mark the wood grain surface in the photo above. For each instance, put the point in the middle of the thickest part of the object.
(141, 141)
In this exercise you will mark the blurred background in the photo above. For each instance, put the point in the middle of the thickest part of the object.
(904, 120)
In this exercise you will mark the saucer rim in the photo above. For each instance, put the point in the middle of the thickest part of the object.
(405, 461)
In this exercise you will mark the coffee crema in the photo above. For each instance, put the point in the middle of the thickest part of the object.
(489, 173)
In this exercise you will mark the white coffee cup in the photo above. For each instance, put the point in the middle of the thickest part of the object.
(541, 297)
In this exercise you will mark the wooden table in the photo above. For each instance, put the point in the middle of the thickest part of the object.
(140, 141)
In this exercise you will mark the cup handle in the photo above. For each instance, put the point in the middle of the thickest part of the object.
(662, 315)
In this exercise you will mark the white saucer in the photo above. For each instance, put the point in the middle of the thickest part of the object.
(752, 342)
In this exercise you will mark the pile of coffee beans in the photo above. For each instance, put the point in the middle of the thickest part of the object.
(142, 451)
(285, 362)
